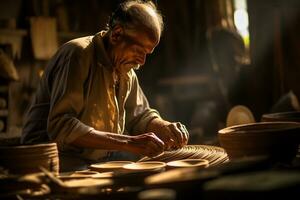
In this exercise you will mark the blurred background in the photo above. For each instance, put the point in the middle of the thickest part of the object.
(213, 55)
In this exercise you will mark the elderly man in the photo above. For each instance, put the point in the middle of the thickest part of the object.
(89, 94)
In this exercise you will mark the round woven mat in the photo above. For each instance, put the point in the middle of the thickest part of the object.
(214, 155)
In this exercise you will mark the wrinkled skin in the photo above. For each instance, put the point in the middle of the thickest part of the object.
(128, 49)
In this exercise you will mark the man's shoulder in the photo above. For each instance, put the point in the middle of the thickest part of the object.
(81, 42)
(78, 45)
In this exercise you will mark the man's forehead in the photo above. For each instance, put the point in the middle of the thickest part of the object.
(144, 38)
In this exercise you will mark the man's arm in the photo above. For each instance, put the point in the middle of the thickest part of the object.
(69, 70)
(146, 144)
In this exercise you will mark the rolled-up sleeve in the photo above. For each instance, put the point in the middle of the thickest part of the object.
(138, 111)
(67, 95)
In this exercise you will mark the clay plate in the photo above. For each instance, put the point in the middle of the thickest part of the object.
(145, 166)
(200, 163)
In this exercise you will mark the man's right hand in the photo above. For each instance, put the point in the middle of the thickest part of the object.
(147, 144)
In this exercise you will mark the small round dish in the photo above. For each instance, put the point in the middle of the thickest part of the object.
(199, 163)
(64, 177)
(239, 115)
(109, 166)
(145, 166)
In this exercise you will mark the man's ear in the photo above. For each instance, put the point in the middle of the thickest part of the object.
(116, 34)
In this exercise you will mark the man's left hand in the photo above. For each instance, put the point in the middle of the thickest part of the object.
(173, 134)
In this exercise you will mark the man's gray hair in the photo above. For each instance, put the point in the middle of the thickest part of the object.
(136, 13)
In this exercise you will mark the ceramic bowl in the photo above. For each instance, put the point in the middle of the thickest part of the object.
(281, 116)
(276, 140)
(24, 159)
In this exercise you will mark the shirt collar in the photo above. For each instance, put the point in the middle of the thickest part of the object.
(101, 54)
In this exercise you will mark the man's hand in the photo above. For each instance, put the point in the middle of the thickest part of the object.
(145, 144)
(174, 135)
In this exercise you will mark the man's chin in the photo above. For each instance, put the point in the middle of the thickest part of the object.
(128, 67)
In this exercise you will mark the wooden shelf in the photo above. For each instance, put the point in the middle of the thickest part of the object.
(14, 38)
(3, 112)
(13, 32)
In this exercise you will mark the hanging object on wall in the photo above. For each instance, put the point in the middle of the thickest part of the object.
(7, 68)
(43, 34)
(239, 114)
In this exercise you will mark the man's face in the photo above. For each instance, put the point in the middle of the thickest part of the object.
(132, 47)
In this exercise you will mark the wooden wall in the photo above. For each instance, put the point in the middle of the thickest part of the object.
(182, 52)
(274, 36)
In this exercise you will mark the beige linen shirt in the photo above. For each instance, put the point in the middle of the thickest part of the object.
(77, 93)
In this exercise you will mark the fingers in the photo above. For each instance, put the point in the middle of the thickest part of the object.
(173, 135)
(159, 144)
(185, 132)
(153, 145)
(176, 135)
(166, 137)
(152, 149)
(180, 134)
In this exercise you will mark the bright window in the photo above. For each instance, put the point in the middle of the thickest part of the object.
(241, 20)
